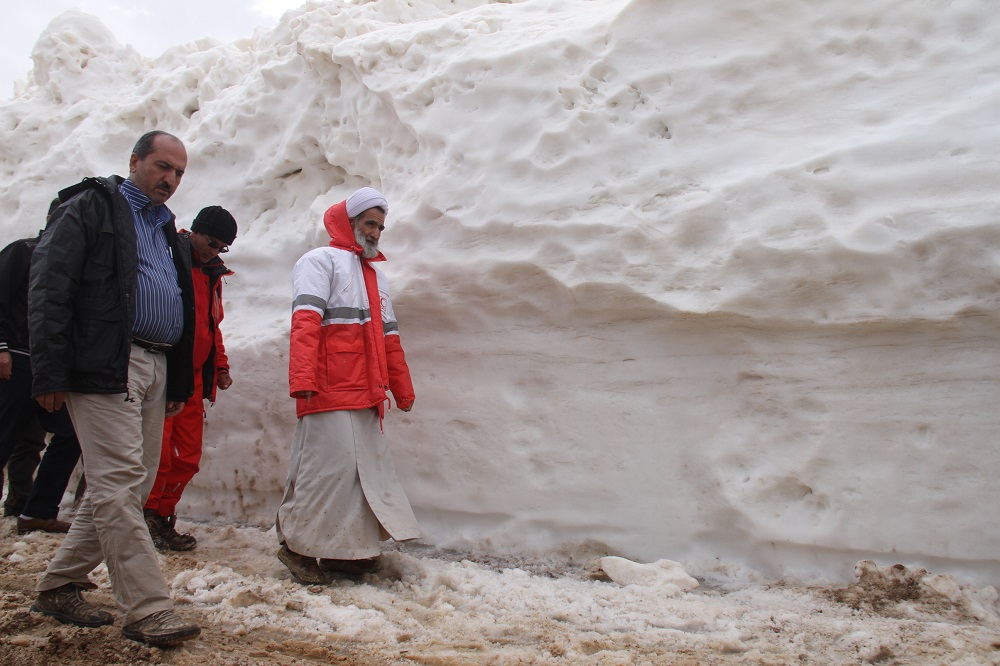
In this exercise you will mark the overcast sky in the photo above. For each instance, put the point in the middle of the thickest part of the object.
(150, 27)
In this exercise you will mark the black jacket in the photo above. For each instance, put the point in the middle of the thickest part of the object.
(82, 296)
(15, 260)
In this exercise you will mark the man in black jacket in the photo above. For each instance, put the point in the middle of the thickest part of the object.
(110, 322)
(22, 420)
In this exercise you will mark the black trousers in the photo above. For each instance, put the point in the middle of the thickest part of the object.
(21, 467)
(18, 413)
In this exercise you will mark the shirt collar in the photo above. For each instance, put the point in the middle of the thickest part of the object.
(139, 201)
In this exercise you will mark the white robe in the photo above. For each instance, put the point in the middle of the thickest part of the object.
(342, 496)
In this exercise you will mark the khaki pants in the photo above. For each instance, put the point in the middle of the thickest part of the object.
(120, 437)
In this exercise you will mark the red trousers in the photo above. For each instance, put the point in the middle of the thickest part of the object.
(181, 453)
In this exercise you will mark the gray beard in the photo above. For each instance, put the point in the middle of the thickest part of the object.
(369, 249)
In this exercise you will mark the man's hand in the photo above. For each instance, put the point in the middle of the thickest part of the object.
(224, 381)
(304, 395)
(406, 407)
(51, 402)
(6, 363)
(174, 407)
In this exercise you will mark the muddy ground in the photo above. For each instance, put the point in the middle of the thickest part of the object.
(440, 608)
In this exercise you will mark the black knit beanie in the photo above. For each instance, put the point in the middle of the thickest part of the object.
(216, 221)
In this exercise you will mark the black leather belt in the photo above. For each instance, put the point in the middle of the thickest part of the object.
(157, 347)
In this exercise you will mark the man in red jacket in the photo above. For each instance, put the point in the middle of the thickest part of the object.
(212, 232)
(342, 495)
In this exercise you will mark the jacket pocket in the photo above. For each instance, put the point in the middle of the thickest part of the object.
(98, 340)
(345, 358)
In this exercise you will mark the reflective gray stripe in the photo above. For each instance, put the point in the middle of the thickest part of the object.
(309, 299)
(347, 313)
(357, 314)
(389, 327)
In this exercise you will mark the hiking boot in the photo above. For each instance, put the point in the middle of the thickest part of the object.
(165, 537)
(304, 569)
(349, 567)
(66, 605)
(175, 540)
(161, 629)
(25, 525)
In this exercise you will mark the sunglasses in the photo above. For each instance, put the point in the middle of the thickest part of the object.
(216, 245)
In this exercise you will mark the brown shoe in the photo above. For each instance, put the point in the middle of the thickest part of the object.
(160, 629)
(25, 525)
(304, 569)
(66, 605)
(350, 567)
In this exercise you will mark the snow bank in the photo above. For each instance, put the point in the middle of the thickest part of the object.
(697, 282)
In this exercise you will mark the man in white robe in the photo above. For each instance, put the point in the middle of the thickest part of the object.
(342, 496)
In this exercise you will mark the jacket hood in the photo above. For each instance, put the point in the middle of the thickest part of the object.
(338, 225)
(108, 185)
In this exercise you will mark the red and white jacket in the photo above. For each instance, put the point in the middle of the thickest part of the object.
(345, 340)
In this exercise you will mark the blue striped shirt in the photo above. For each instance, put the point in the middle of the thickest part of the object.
(159, 312)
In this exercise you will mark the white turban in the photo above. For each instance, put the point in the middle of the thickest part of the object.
(365, 198)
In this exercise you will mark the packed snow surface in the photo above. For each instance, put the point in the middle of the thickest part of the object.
(432, 606)
(705, 283)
